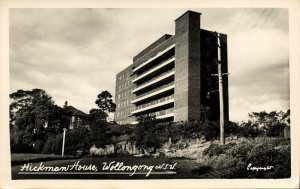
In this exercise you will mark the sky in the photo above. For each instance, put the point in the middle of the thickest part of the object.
(74, 54)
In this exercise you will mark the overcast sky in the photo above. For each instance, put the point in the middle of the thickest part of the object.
(74, 54)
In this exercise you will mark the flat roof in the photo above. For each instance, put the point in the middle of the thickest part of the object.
(189, 11)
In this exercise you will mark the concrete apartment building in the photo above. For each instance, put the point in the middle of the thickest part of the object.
(172, 77)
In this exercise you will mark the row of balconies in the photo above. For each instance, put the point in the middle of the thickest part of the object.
(157, 79)
(154, 92)
(160, 53)
(155, 69)
(153, 104)
(163, 76)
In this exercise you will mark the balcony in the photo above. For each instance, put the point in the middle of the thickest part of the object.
(154, 70)
(165, 116)
(153, 58)
(163, 76)
(163, 113)
(134, 122)
(153, 106)
(160, 114)
(155, 92)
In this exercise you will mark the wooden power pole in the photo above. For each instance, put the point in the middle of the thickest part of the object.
(222, 138)
(221, 100)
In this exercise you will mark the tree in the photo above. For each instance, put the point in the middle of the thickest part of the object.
(146, 132)
(249, 129)
(98, 127)
(98, 116)
(272, 123)
(204, 113)
(29, 111)
(99, 130)
(106, 105)
(105, 102)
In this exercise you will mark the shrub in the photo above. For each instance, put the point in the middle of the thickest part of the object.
(118, 130)
(38, 146)
(260, 152)
(21, 148)
(215, 149)
(53, 144)
(150, 132)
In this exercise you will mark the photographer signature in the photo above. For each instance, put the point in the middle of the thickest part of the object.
(250, 167)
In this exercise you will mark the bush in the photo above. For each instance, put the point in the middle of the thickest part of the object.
(220, 162)
(249, 129)
(21, 148)
(150, 132)
(194, 129)
(260, 152)
(118, 130)
(215, 149)
(38, 146)
(53, 144)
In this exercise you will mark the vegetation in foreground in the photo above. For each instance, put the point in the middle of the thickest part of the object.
(261, 157)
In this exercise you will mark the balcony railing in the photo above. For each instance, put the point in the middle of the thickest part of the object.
(165, 116)
(154, 92)
(159, 114)
(154, 104)
(162, 112)
(154, 57)
(161, 65)
(155, 80)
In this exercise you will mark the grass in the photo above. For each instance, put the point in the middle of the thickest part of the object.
(17, 159)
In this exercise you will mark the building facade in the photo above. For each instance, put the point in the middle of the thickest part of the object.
(172, 78)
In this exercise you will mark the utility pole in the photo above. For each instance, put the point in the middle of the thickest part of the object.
(221, 101)
(63, 144)
(222, 138)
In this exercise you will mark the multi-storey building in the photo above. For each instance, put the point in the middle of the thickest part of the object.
(172, 78)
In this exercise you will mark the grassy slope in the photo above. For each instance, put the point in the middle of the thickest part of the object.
(17, 159)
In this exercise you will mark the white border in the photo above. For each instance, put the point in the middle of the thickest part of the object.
(294, 12)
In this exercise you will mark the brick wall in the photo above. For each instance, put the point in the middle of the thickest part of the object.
(187, 67)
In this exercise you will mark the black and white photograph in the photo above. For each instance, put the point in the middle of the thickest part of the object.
(149, 93)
